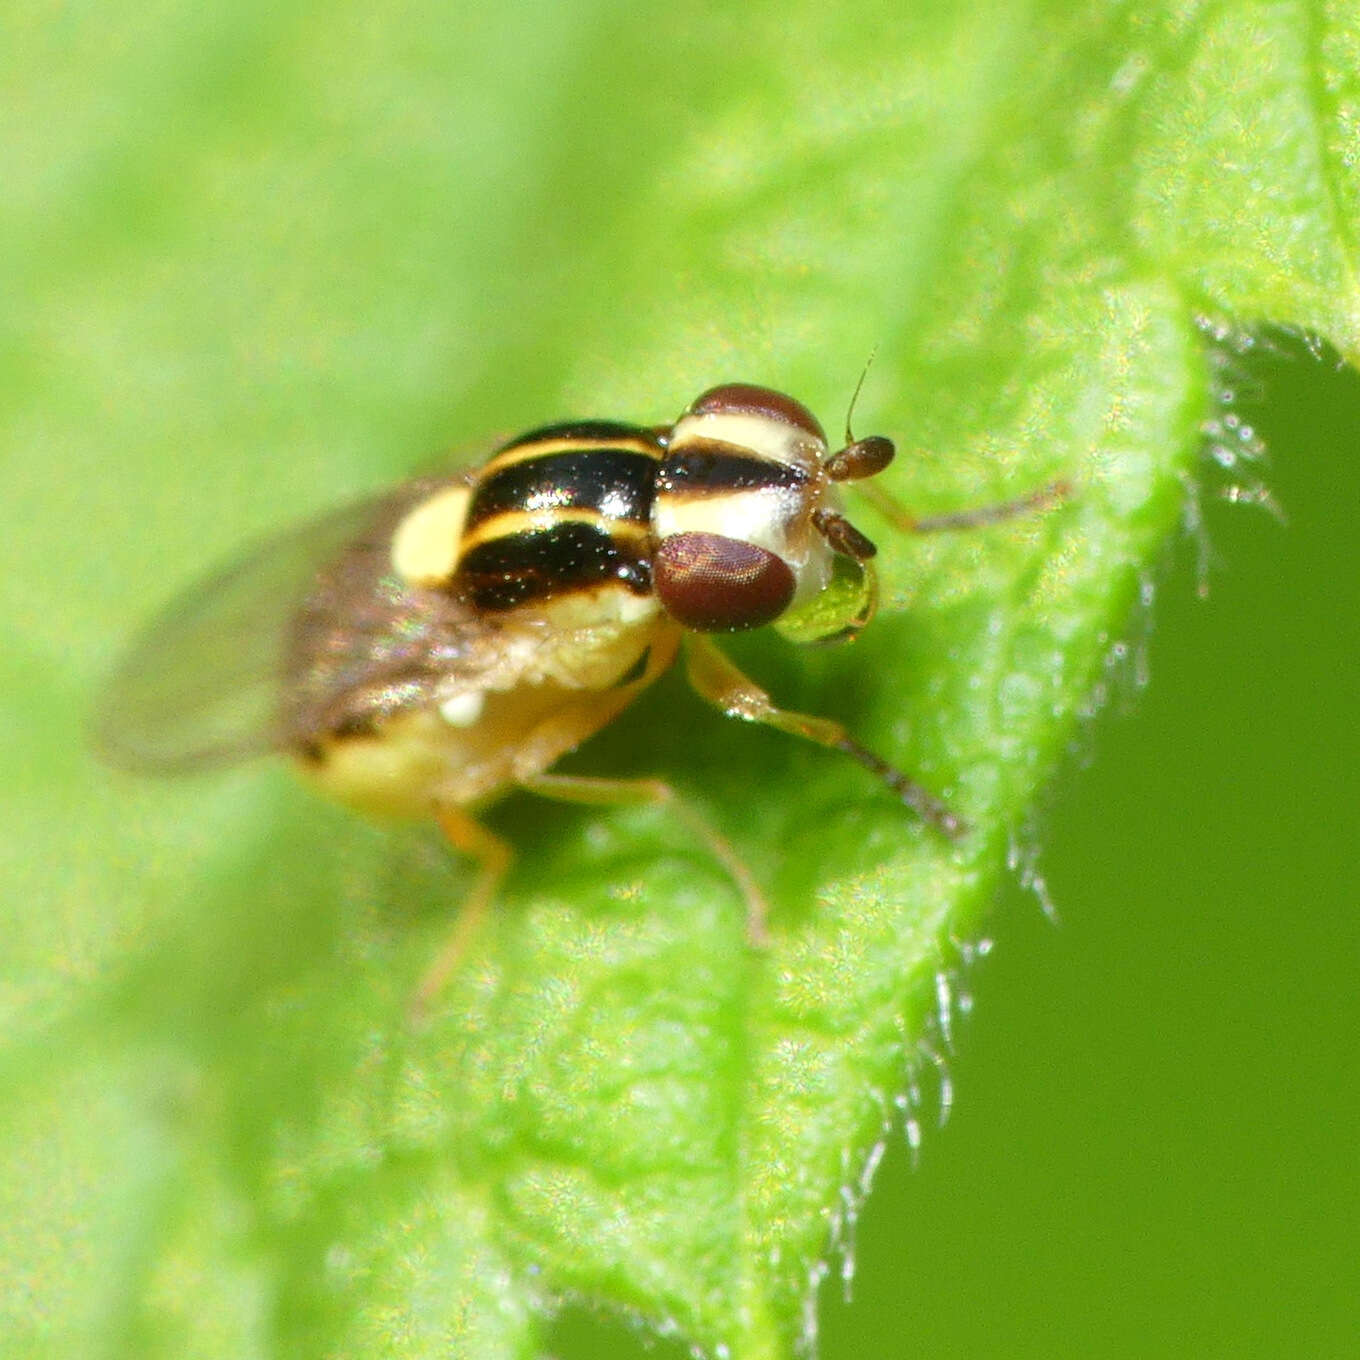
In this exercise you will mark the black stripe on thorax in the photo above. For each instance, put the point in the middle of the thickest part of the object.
(702, 466)
(616, 482)
(539, 564)
(584, 432)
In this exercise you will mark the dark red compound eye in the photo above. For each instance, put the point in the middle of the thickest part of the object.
(715, 584)
(750, 400)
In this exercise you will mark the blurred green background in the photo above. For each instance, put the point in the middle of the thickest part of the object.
(1152, 1143)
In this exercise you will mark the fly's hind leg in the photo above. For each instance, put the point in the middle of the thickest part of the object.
(565, 730)
(493, 856)
(568, 728)
(551, 739)
(572, 788)
(721, 683)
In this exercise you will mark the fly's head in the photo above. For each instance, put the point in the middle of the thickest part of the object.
(747, 520)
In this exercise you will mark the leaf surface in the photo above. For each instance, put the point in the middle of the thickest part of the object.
(266, 261)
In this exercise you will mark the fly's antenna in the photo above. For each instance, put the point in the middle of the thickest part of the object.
(854, 396)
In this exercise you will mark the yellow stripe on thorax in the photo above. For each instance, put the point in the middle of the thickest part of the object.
(511, 522)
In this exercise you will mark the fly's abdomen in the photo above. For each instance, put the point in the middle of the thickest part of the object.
(560, 511)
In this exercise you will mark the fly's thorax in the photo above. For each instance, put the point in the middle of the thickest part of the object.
(736, 544)
(560, 511)
(549, 546)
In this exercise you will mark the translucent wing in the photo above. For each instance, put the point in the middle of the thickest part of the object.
(308, 634)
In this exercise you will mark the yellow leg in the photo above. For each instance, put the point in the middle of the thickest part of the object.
(572, 788)
(721, 683)
(493, 855)
(553, 738)
(567, 729)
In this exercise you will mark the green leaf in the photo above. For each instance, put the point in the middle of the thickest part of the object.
(266, 260)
